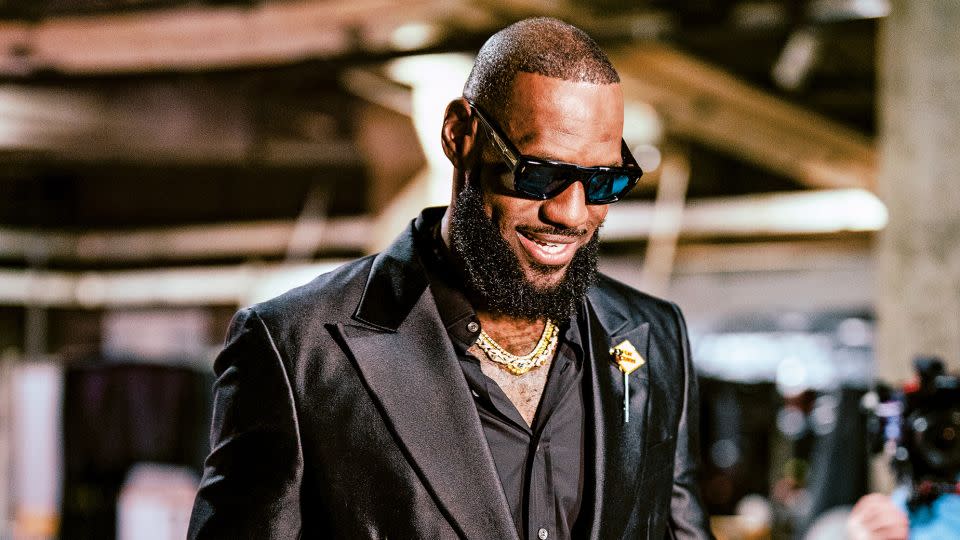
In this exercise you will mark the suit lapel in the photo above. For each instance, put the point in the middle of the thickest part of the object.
(617, 447)
(405, 357)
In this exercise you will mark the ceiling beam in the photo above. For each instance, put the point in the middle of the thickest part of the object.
(798, 255)
(196, 38)
(638, 21)
(708, 105)
(195, 242)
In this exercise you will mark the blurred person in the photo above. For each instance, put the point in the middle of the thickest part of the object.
(916, 427)
(877, 517)
(888, 517)
(478, 378)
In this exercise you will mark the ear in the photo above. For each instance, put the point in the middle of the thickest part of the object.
(459, 132)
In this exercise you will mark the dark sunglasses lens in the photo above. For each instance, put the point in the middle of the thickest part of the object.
(544, 182)
(541, 182)
(608, 187)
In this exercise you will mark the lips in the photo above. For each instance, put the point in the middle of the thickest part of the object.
(548, 249)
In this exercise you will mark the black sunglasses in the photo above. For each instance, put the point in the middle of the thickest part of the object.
(542, 178)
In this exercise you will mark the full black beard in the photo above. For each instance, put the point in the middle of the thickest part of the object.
(493, 274)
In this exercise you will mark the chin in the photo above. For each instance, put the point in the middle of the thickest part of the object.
(545, 279)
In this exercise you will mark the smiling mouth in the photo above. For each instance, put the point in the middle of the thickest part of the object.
(547, 246)
(548, 249)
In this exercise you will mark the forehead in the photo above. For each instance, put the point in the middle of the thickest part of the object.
(578, 122)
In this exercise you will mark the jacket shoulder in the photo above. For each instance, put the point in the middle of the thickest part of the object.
(329, 297)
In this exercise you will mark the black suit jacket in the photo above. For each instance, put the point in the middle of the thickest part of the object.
(341, 411)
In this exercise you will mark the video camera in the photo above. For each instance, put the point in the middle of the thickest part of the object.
(918, 427)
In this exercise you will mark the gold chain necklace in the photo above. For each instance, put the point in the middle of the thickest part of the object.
(518, 365)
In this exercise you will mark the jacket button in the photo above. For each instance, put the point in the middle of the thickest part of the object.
(472, 326)
(542, 534)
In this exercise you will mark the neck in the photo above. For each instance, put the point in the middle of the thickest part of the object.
(518, 336)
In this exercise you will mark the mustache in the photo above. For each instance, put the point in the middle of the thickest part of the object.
(569, 231)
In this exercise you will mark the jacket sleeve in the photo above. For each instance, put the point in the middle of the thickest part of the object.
(688, 517)
(251, 479)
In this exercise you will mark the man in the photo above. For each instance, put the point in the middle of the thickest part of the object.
(467, 381)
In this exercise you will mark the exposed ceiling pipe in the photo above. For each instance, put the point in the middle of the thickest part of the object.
(756, 216)
(224, 285)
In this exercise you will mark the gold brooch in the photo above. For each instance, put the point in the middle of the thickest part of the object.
(627, 357)
(628, 360)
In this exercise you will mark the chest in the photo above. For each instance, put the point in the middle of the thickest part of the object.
(524, 391)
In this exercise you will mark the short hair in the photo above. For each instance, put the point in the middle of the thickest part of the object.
(540, 45)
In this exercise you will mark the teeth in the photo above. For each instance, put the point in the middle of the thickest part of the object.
(549, 248)
(546, 247)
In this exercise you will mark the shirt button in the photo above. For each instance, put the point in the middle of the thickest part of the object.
(472, 326)
(542, 534)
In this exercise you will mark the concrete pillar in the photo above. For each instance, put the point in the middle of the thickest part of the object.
(918, 296)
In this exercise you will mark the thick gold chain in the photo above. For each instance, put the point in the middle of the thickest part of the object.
(518, 365)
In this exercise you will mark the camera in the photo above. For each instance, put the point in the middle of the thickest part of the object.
(918, 427)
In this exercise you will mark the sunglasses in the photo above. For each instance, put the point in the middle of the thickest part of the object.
(542, 179)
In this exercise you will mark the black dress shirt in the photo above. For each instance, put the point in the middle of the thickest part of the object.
(540, 466)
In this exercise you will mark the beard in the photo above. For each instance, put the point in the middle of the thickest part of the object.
(493, 275)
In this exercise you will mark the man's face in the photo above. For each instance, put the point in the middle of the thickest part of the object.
(574, 122)
(535, 259)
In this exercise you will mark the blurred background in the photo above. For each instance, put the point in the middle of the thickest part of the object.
(164, 162)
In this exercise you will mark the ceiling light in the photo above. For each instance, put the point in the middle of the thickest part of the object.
(845, 10)
(641, 123)
(648, 157)
(796, 60)
(413, 36)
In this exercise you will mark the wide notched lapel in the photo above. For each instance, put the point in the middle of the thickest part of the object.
(404, 355)
(414, 376)
(617, 446)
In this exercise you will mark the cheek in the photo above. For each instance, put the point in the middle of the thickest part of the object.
(502, 219)
(507, 212)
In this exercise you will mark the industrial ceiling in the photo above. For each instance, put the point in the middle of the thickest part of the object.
(128, 124)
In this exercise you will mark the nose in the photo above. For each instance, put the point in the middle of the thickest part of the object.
(568, 209)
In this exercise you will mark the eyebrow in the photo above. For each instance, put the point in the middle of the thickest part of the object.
(553, 157)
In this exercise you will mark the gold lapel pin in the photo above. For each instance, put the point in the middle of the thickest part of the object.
(628, 360)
